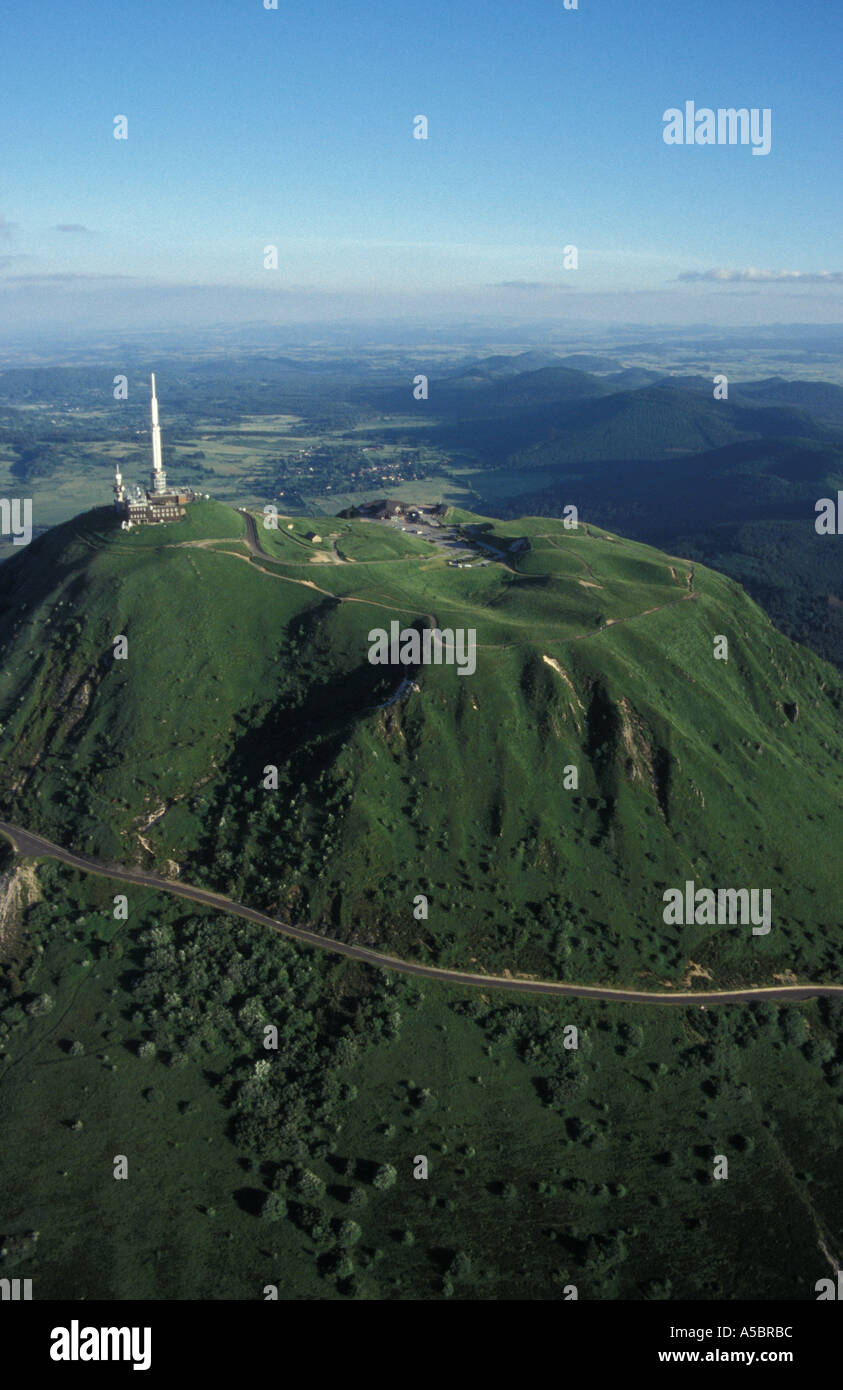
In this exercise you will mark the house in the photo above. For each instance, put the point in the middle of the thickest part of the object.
(385, 510)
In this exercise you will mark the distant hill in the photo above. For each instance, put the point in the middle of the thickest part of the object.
(500, 366)
(539, 387)
(589, 362)
(630, 378)
(555, 416)
(822, 399)
(479, 394)
(658, 423)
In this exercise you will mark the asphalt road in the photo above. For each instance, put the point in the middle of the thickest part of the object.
(251, 536)
(32, 846)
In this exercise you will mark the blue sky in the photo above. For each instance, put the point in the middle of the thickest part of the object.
(293, 127)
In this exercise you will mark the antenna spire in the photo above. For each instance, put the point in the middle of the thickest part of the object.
(159, 480)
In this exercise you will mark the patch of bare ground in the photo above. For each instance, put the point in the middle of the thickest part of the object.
(18, 889)
(560, 671)
(693, 971)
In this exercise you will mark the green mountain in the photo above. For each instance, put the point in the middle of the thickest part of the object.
(556, 419)
(593, 653)
(661, 422)
(548, 1166)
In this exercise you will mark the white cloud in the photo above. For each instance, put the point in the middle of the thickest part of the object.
(722, 275)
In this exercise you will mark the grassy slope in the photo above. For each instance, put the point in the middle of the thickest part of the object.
(688, 767)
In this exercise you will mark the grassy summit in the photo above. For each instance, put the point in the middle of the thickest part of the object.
(592, 652)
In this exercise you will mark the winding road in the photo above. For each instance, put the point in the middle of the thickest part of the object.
(31, 846)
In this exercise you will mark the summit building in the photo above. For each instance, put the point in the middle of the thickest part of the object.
(157, 503)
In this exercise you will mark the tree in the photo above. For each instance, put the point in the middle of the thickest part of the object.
(310, 1185)
(385, 1177)
(349, 1233)
(274, 1207)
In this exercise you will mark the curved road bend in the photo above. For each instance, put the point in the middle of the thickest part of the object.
(34, 846)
